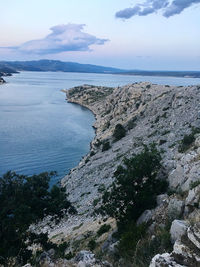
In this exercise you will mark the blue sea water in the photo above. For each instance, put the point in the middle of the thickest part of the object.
(40, 131)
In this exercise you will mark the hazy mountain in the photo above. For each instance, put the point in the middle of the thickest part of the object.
(54, 65)
(8, 67)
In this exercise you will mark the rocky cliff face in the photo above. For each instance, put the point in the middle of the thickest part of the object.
(149, 113)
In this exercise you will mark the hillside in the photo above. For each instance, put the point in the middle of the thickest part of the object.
(53, 65)
(165, 115)
(166, 231)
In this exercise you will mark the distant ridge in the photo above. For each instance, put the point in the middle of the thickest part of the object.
(54, 65)
(9, 67)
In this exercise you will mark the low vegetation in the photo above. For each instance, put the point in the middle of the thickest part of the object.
(103, 229)
(106, 146)
(188, 140)
(134, 190)
(25, 200)
(119, 132)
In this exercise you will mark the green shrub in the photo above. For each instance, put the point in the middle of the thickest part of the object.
(106, 146)
(135, 188)
(92, 153)
(148, 247)
(194, 184)
(92, 244)
(103, 229)
(101, 188)
(119, 132)
(96, 201)
(188, 140)
(131, 124)
(130, 237)
(24, 200)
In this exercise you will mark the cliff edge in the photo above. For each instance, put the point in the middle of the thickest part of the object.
(127, 118)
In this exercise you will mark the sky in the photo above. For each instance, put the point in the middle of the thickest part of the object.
(129, 34)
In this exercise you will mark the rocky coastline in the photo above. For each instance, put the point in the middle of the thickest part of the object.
(2, 80)
(149, 113)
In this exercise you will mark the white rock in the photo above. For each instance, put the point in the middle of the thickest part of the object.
(197, 141)
(81, 264)
(85, 257)
(175, 207)
(193, 196)
(161, 199)
(177, 230)
(194, 236)
(164, 260)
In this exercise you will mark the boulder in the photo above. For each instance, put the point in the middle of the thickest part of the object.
(193, 234)
(178, 229)
(161, 199)
(85, 258)
(197, 141)
(193, 196)
(175, 208)
(164, 260)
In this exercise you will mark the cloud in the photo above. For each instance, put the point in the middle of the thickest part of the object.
(63, 38)
(177, 6)
(169, 8)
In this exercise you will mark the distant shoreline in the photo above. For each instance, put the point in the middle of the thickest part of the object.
(174, 74)
(10, 67)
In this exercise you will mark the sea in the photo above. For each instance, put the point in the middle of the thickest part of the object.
(40, 131)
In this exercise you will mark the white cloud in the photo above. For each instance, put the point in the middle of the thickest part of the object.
(63, 38)
(169, 8)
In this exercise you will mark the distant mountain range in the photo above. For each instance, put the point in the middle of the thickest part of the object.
(9, 67)
(53, 65)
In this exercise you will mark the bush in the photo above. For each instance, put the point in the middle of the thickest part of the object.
(135, 187)
(148, 247)
(119, 132)
(106, 146)
(188, 140)
(24, 200)
(103, 229)
(92, 244)
(130, 237)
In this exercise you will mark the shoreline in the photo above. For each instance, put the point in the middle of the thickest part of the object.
(150, 114)
(139, 108)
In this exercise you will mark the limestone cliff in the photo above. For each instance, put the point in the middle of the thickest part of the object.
(149, 113)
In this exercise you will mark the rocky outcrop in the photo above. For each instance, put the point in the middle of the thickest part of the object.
(186, 250)
(148, 113)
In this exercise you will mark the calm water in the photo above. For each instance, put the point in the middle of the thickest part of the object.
(40, 131)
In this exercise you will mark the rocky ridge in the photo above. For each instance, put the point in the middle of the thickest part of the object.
(149, 113)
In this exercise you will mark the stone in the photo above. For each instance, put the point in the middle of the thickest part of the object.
(197, 141)
(175, 208)
(145, 217)
(161, 199)
(85, 257)
(193, 234)
(164, 260)
(193, 196)
(178, 229)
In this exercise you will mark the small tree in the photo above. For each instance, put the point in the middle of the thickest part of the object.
(135, 187)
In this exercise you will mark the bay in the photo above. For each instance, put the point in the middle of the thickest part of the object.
(40, 131)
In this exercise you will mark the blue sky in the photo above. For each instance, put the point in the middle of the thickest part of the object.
(149, 34)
